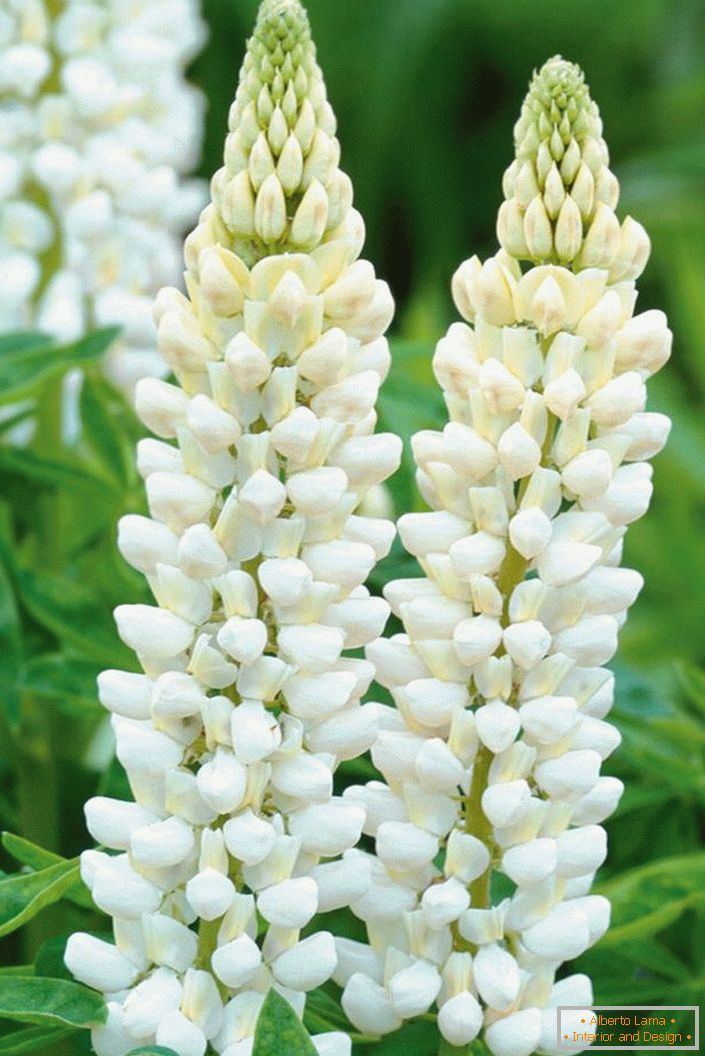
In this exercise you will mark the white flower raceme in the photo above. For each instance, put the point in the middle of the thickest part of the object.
(257, 560)
(99, 128)
(492, 758)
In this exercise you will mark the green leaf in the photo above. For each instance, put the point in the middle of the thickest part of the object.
(104, 413)
(69, 683)
(647, 899)
(50, 1002)
(30, 854)
(20, 340)
(72, 612)
(279, 1030)
(152, 1050)
(32, 1039)
(24, 895)
(27, 361)
(49, 962)
(10, 644)
(58, 471)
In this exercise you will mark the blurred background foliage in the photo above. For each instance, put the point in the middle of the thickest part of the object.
(426, 93)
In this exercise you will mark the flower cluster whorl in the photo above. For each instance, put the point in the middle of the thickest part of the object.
(488, 828)
(257, 559)
(560, 195)
(100, 129)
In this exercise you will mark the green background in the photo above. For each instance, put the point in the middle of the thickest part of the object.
(426, 92)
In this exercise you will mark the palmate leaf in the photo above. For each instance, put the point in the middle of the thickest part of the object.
(279, 1030)
(28, 360)
(24, 895)
(647, 899)
(50, 1002)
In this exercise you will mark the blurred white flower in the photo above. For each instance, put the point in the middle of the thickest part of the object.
(99, 130)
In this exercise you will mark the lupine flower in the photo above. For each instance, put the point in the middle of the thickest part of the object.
(256, 559)
(99, 129)
(488, 828)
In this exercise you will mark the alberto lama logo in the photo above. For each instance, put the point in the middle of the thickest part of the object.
(629, 1028)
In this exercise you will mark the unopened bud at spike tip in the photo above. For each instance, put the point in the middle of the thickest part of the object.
(559, 186)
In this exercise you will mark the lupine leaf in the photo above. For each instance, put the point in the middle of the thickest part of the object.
(100, 407)
(279, 1030)
(24, 895)
(37, 858)
(21, 340)
(71, 683)
(29, 362)
(32, 1039)
(152, 1050)
(10, 644)
(50, 1002)
(647, 899)
(71, 611)
(61, 472)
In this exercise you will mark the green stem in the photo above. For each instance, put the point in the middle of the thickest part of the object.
(39, 730)
(478, 824)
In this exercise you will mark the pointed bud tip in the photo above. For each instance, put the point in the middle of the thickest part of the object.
(287, 19)
(558, 100)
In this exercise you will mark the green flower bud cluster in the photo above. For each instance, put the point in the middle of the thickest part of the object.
(560, 195)
(280, 188)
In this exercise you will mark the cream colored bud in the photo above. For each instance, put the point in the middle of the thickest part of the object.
(261, 162)
(237, 205)
(311, 217)
(305, 127)
(526, 187)
(290, 167)
(548, 307)
(223, 278)
(602, 240)
(270, 210)
(509, 180)
(278, 130)
(321, 159)
(493, 294)
(463, 287)
(288, 298)
(633, 254)
(553, 192)
(569, 231)
(537, 229)
(571, 162)
(583, 192)
(340, 198)
(607, 188)
(510, 229)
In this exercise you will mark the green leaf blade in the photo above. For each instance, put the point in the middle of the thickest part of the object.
(50, 1003)
(24, 895)
(279, 1030)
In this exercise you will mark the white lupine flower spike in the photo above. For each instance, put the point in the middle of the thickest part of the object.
(256, 553)
(100, 132)
(492, 761)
